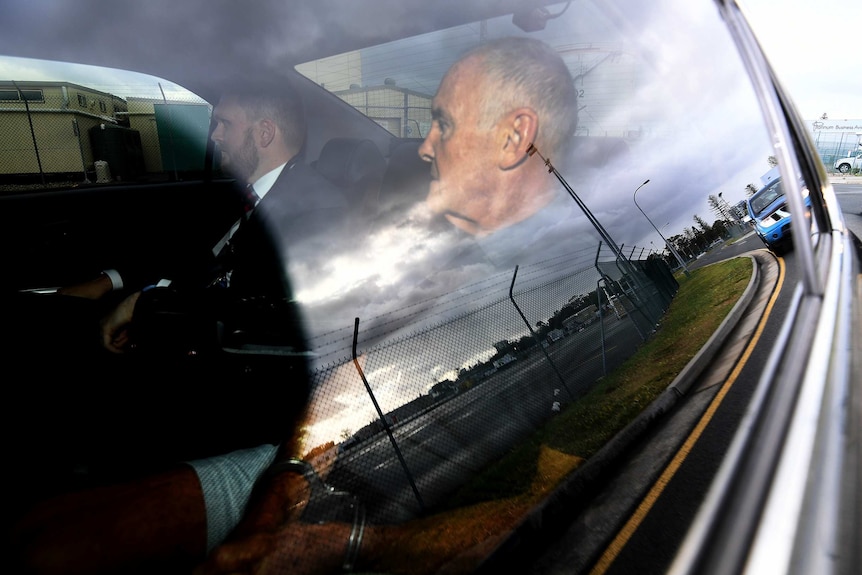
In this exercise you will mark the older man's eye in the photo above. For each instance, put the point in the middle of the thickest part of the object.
(445, 128)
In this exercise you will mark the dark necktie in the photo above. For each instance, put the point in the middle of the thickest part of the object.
(251, 198)
(226, 251)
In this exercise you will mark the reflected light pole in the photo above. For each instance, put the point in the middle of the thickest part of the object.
(532, 150)
(667, 243)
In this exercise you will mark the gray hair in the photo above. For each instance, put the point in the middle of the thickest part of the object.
(527, 72)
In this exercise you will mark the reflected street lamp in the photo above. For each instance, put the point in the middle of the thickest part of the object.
(667, 243)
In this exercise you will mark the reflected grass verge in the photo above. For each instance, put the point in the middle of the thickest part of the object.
(703, 301)
(480, 515)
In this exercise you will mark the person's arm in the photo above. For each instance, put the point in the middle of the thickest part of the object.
(281, 531)
(106, 282)
(115, 325)
(296, 548)
(272, 539)
(151, 525)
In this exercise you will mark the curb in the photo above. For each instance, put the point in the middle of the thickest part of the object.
(555, 510)
(704, 357)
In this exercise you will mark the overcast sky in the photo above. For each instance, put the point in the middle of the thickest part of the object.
(813, 44)
(815, 49)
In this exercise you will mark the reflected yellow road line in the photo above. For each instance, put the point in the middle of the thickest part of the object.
(616, 546)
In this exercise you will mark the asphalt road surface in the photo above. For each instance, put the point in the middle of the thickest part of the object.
(850, 199)
(440, 449)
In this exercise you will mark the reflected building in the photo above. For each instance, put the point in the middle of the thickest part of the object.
(835, 139)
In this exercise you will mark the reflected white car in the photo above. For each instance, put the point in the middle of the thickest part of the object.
(848, 164)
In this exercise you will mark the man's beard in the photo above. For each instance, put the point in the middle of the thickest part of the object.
(244, 161)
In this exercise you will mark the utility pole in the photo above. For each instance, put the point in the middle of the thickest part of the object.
(667, 243)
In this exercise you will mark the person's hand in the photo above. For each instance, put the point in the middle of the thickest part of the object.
(115, 326)
(295, 547)
(91, 289)
(272, 539)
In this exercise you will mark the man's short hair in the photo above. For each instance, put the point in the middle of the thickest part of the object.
(527, 72)
(279, 101)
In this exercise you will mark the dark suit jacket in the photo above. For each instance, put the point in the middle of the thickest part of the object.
(216, 369)
(245, 334)
(301, 206)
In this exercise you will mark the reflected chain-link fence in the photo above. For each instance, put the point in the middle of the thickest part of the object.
(413, 417)
(62, 132)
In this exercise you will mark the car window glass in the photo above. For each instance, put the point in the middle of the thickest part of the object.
(448, 310)
(662, 107)
(762, 199)
(686, 120)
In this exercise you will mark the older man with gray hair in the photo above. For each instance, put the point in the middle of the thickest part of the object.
(493, 104)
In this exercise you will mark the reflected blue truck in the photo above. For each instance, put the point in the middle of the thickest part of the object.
(771, 216)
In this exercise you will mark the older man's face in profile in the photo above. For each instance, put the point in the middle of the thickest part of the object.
(234, 135)
(462, 154)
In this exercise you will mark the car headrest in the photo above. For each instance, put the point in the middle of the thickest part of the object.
(351, 163)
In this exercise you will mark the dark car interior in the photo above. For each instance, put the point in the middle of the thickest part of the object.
(58, 237)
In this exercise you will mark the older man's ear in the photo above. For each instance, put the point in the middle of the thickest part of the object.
(518, 130)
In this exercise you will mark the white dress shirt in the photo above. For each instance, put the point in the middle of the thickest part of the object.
(260, 187)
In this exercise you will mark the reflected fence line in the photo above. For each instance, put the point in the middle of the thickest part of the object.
(382, 417)
(413, 417)
(534, 335)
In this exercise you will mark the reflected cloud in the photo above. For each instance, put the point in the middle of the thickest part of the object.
(689, 121)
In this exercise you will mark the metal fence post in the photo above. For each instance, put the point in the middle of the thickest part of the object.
(535, 337)
(32, 131)
(383, 419)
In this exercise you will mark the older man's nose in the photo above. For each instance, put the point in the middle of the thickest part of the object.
(426, 150)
